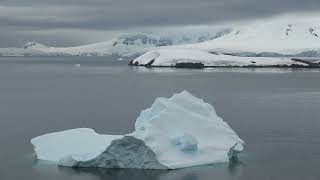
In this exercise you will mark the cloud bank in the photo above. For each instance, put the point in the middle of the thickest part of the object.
(74, 22)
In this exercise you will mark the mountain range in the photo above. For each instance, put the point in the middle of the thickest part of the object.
(128, 45)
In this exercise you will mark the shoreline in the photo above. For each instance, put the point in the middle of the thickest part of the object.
(202, 66)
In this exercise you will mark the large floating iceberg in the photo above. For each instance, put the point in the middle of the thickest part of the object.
(177, 132)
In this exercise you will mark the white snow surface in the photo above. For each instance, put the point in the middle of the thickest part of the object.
(285, 34)
(78, 144)
(172, 56)
(182, 131)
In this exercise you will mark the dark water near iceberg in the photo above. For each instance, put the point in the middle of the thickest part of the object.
(276, 111)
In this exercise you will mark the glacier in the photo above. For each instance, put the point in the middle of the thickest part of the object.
(176, 132)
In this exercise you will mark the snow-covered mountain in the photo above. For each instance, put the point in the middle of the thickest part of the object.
(125, 45)
(270, 37)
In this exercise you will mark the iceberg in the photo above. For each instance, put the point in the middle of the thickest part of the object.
(176, 132)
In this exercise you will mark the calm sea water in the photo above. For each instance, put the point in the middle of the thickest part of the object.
(276, 111)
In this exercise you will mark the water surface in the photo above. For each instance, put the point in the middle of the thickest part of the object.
(276, 111)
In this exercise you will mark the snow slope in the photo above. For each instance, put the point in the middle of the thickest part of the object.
(180, 131)
(284, 34)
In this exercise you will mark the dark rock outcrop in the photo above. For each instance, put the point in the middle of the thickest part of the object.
(189, 65)
(149, 64)
(131, 63)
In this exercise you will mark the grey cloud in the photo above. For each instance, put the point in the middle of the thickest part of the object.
(21, 18)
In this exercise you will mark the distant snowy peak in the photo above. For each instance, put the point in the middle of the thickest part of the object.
(34, 45)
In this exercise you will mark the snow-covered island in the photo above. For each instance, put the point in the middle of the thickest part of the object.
(190, 58)
(283, 41)
(177, 132)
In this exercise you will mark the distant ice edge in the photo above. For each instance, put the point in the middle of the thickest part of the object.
(176, 132)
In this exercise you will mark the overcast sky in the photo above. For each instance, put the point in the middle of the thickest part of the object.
(75, 22)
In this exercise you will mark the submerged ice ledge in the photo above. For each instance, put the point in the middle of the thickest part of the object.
(177, 132)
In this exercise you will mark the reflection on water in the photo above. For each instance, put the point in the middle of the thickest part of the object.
(234, 169)
(120, 174)
(174, 71)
